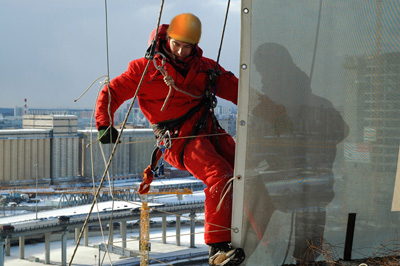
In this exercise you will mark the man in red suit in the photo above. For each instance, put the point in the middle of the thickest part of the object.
(177, 95)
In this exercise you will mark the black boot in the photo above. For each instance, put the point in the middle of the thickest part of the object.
(223, 254)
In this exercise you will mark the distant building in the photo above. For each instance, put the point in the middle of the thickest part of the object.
(19, 111)
(85, 116)
(228, 123)
(51, 149)
(7, 112)
(61, 125)
(372, 110)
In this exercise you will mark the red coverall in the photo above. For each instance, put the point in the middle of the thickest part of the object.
(201, 158)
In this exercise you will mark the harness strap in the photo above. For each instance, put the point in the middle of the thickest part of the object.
(155, 157)
(209, 101)
(174, 125)
(212, 76)
(200, 125)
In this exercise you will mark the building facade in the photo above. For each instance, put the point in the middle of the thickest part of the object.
(373, 82)
(51, 149)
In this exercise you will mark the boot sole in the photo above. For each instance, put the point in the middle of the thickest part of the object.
(236, 257)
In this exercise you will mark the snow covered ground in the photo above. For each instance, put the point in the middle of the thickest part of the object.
(34, 253)
(109, 205)
(89, 255)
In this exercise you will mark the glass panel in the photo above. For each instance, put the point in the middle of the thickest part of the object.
(322, 130)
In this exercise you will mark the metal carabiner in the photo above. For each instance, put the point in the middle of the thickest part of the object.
(166, 138)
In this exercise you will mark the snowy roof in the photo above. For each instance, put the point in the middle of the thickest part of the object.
(24, 130)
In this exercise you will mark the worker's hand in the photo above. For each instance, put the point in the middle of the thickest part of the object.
(108, 135)
(147, 179)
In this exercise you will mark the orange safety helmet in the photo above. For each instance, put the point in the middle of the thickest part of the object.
(185, 27)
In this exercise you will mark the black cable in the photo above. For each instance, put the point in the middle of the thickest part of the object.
(316, 40)
(223, 33)
(290, 238)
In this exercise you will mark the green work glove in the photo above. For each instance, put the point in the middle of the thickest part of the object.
(108, 135)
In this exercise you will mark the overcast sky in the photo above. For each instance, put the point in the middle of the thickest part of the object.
(52, 50)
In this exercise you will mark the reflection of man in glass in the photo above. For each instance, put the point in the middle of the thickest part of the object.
(293, 153)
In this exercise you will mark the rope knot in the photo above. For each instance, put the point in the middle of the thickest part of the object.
(169, 81)
(106, 81)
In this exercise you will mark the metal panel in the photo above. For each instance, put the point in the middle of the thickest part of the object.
(238, 234)
(318, 127)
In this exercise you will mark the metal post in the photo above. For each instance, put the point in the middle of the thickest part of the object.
(64, 248)
(36, 199)
(8, 246)
(99, 256)
(123, 233)
(111, 233)
(86, 236)
(348, 245)
(178, 231)
(2, 252)
(192, 229)
(21, 247)
(164, 229)
(47, 248)
(76, 235)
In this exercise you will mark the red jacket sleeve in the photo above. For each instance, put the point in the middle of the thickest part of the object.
(227, 86)
(120, 89)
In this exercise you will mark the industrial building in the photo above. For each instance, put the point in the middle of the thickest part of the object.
(51, 149)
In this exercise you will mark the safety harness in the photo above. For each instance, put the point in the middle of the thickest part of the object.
(163, 129)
